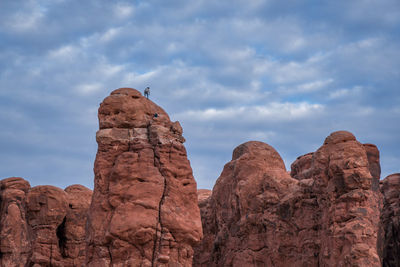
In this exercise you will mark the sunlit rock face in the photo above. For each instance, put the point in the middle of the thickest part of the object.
(144, 210)
(326, 214)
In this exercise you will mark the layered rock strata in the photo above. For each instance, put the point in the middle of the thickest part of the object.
(144, 210)
(327, 214)
(43, 225)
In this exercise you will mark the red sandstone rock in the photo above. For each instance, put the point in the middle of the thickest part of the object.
(46, 208)
(301, 168)
(258, 215)
(144, 210)
(374, 164)
(14, 232)
(243, 220)
(202, 196)
(72, 231)
(326, 212)
(43, 225)
(350, 209)
(390, 218)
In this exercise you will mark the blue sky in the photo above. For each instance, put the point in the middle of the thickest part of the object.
(287, 73)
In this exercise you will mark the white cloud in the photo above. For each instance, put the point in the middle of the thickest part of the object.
(271, 112)
(295, 72)
(261, 135)
(110, 35)
(123, 10)
(27, 20)
(308, 87)
(65, 52)
(345, 92)
(228, 70)
(89, 88)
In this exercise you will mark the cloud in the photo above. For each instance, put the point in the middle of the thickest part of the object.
(271, 112)
(340, 93)
(230, 71)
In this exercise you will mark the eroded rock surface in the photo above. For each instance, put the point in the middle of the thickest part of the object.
(391, 220)
(327, 215)
(14, 232)
(38, 225)
(144, 210)
(72, 231)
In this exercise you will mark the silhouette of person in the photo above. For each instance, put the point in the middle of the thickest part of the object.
(147, 92)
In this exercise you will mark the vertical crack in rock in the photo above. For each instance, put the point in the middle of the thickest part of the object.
(141, 190)
(158, 240)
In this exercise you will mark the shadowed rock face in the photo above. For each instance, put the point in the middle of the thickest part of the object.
(374, 164)
(391, 220)
(43, 225)
(258, 215)
(144, 210)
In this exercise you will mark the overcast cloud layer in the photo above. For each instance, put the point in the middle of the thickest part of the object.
(287, 73)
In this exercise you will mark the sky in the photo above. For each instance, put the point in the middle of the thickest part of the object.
(287, 73)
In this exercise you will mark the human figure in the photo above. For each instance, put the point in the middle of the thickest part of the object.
(147, 92)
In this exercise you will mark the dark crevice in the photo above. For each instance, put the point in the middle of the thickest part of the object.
(110, 255)
(158, 240)
(61, 237)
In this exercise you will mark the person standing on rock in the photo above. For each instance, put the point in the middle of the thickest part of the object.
(147, 92)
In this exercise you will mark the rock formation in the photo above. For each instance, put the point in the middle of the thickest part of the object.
(331, 209)
(43, 225)
(144, 209)
(14, 230)
(327, 214)
(391, 220)
(72, 231)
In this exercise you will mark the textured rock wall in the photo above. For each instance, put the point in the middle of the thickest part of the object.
(14, 229)
(327, 214)
(43, 225)
(390, 188)
(144, 210)
(350, 208)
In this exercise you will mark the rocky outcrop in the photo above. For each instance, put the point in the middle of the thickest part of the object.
(202, 197)
(331, 209)
(327, 214)
(350, 209)
(46, 208)
(301, 167)
(72, 231)
(14, 231)
(374, 164)
(241, 225)
(39, 224)
(391, 220)
(144, 208)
